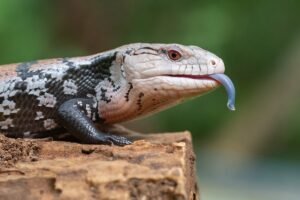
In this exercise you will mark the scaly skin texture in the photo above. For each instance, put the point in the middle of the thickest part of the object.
(39, 97)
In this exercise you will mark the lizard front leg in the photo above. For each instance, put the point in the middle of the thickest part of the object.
(72, 117)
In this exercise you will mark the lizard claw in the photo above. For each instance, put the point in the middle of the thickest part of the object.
(116, 140)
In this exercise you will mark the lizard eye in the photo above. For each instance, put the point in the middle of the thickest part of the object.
(174, 55)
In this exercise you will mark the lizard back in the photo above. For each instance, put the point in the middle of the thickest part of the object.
(31, 92)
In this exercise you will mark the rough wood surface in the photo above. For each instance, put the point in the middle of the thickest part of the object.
(159, 167)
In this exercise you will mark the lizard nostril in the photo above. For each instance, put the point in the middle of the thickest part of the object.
(213, 62)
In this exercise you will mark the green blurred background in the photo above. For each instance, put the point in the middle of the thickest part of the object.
(252, 153)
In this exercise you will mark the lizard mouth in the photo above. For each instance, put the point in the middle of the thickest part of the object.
(221, 79)
(205, 77)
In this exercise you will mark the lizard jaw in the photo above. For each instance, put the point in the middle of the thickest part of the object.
(220, 79)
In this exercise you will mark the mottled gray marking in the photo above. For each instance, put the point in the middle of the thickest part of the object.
(6, 123)
(49, 124)
(88, 111)
(47, 100)
(35, 82)
(21, 85)
(103, 96)
(8, 106)
(7, 87)
(69, 63)
(70, 87)
(94, 100)
(23, 69)
(56, 73)
(79, 103)
(39, 115)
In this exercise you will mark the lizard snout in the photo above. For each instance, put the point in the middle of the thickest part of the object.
(215, 65)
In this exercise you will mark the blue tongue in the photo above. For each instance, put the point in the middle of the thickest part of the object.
(227, 83)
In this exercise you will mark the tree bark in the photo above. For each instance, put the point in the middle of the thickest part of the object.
(162, 166)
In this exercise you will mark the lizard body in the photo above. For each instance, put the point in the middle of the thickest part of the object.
(39, 97)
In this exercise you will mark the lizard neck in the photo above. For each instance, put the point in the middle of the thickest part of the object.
(91, 72)
(132, 101)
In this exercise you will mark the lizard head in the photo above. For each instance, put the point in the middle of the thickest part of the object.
(162, 75)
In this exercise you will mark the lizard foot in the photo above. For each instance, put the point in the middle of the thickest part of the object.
(116, 140)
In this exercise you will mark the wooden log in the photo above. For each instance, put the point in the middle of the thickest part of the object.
(162, 166)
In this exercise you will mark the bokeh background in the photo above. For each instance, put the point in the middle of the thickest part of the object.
(252, 153)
